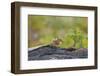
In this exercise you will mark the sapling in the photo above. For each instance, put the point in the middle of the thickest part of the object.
(74, 37)
(80, 37)
(77, 38)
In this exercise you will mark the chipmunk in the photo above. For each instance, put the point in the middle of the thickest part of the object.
(56, 42)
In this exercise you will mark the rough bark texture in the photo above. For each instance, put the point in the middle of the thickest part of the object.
(49, 52)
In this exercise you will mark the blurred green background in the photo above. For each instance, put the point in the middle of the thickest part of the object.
(72, 30)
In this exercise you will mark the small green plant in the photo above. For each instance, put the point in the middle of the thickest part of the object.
(77, 37)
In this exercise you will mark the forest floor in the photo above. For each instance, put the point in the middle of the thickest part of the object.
(49, 52)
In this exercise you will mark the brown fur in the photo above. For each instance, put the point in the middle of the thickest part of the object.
(56, 42)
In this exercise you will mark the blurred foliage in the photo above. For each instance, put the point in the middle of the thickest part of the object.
(72, 30)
